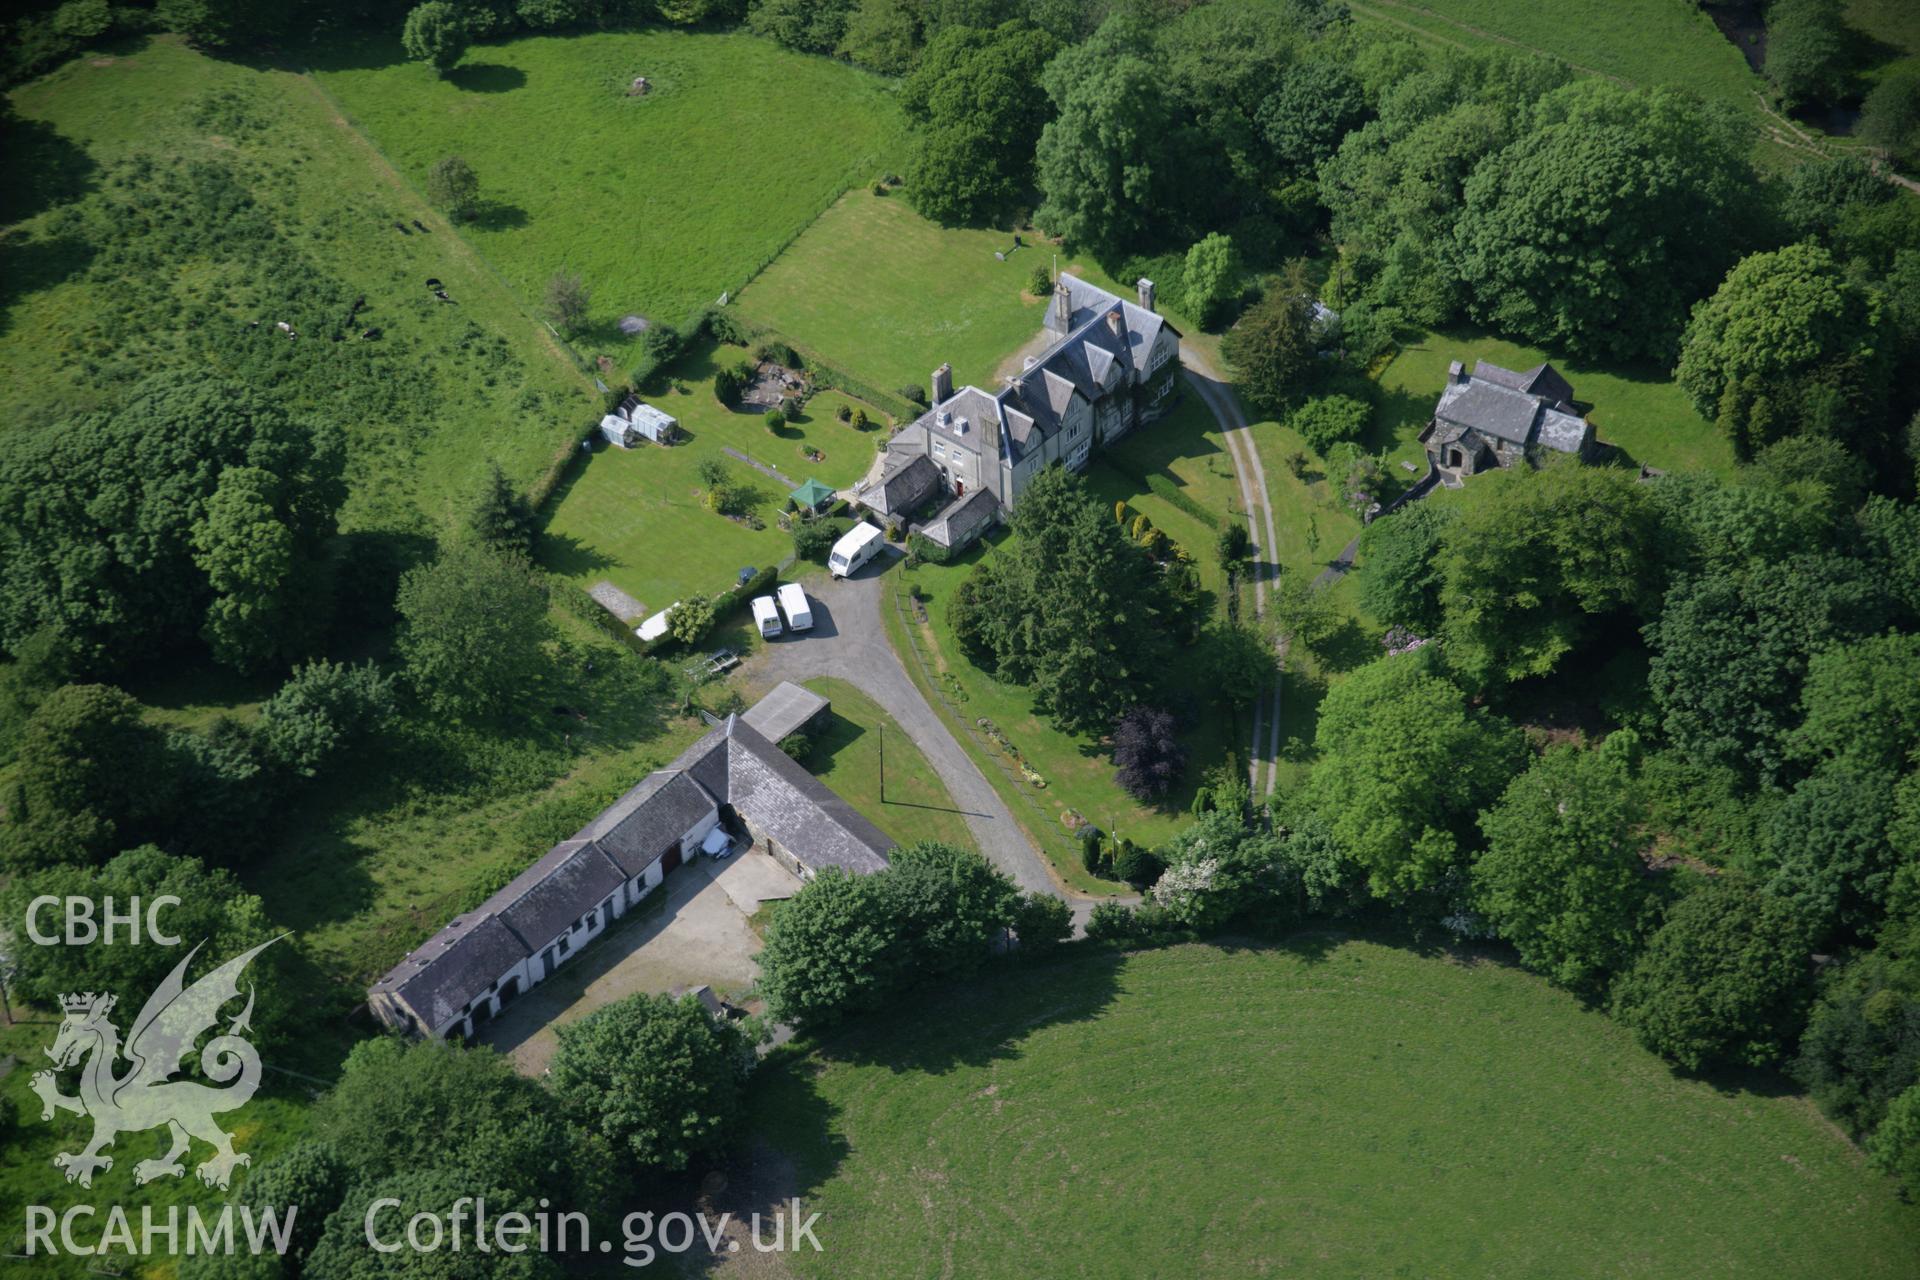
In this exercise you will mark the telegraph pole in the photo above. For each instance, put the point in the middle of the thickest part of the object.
(883, 764)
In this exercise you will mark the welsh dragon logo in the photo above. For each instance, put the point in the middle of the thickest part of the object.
(147, 1096)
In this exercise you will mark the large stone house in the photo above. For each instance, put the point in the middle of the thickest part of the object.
(734, 777)
(1494, 417)
(1110, 368)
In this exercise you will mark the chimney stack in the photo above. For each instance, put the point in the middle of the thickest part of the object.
(1113, 321)
(1145, 287)
(943, 384)
(1454, 371)
(1060, 314)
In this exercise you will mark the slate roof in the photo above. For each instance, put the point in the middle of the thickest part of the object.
(1497, 404)
(961, 521)
(542, 902)
(734, 764)
(905, 484)
(773, 793)
(640, 825)
(443, 975)
(787, 709)
(1104, 333)
(1542, 380)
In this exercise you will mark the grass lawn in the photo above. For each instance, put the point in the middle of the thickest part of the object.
(1644, 42)
(485, 379)
(874, 286)
(635, 516)
(1327, 1107)
(660, 202)
(1076, 769)
(846, 755)
(891, 296)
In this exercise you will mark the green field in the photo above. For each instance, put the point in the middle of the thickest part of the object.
(660, 202)
(1644, 42)
(876, 288)
(272, 1121)
(1331, 1107)
(846, 755)
(466, 382)
(1892, 34)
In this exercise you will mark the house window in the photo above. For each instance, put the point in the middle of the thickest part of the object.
(939, 450)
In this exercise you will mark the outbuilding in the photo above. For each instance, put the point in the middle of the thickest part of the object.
(633, 422)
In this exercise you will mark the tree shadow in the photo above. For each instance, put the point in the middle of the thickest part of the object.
(569, 557)
(44, 167)
(487, 77)
(498, 215)
(32, 263)
(1394, 411)
(1348, 647)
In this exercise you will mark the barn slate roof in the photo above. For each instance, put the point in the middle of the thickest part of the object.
(772, 792)
(655, 812)
(733, 764)
(542, 902)
(443, 975)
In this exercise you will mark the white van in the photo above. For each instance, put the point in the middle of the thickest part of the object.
(765, 616)
(861, 544)
(793, 603)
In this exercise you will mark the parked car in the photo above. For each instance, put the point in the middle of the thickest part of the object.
(859, 545)
(766, 617)
(794, 603)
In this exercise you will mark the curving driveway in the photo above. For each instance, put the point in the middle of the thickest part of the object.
(849, 642)
(1218, 396)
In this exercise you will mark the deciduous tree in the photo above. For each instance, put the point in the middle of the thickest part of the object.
(567, 301)
(1211, 277)
(1147, 754)
(1534, 557)
(1724, 981)
(1596, 231)
(660, 1079)
(471, 625)
(1561, 877)
(435, 33)
(972, 94)
(1787, 344)
(1405, 767)
(87, 780)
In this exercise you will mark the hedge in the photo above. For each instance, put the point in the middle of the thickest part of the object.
(1160, 486)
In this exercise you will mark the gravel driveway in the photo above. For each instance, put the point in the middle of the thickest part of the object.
(849, 642)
